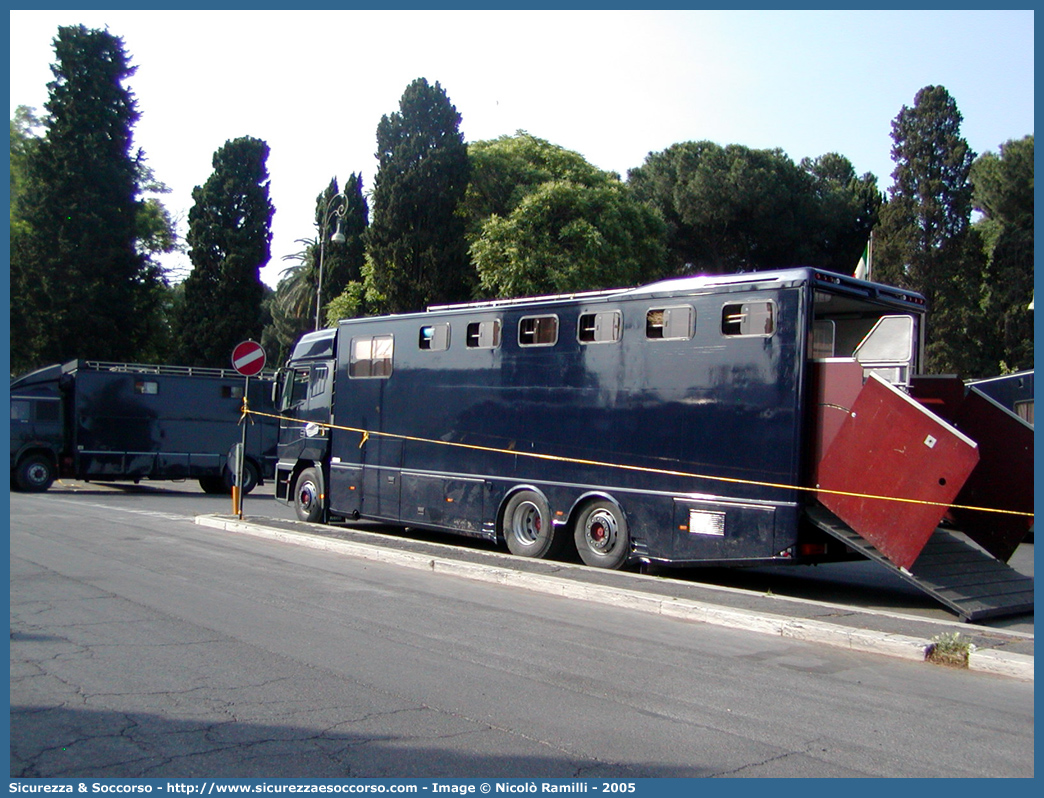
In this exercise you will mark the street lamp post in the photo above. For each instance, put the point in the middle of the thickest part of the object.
(338, 238)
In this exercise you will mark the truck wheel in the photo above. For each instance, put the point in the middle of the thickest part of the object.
(251, 477)
(526, 526)
(601, 535)
(307, 497)
(35, 474)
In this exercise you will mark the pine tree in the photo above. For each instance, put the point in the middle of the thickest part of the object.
(229, 242)
(81, 286)
(925, 241)
(733, 208)
(1004, 195)
(416, 241)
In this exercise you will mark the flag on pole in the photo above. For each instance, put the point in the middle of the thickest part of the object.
(863, 268)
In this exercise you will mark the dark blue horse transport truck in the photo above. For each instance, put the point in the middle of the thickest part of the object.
(769, 417)
(128, 422)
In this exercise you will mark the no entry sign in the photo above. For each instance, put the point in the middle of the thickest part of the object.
(248, 358)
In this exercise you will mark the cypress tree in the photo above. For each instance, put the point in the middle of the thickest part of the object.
(348, 212)
(926, 241)
(416, 242)
(349, 257)
(229, 240)
(81, 286)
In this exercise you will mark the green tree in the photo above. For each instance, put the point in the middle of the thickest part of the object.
(1003, 194)
(845, 209)
(925, 241)
(506, 169)
(24, 140)
(318, 268)
(25, 327)
(276, 338)
(229, 240)
(293, 307)
(156, 228)
(82, 284)
(416, 239)
(359, 298)
(353, 217)
(346, 213)
(541, 219)
(733, 209)
(354, 282)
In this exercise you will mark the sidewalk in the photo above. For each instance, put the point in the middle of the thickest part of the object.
(891, 634)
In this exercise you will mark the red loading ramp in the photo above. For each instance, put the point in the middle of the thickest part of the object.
(891, 446)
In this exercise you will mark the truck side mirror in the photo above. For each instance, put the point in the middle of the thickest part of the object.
(276, 388)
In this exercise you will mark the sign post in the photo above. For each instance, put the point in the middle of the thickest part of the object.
(248, 358)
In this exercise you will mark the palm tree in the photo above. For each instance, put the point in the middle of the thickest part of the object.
(293, 306)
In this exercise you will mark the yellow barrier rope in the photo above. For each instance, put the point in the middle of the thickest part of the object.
(640, 469)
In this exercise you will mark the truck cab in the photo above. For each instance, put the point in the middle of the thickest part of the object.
(304, 398)
(37, 435)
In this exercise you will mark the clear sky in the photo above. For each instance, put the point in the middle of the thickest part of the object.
(612, 85)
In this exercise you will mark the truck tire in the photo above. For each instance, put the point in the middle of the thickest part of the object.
(526, 526)
(308, 501)
(601, 535)
(35, 474)
(251, 476)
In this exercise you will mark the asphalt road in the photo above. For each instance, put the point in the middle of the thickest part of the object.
(860, 583)
(145, 645)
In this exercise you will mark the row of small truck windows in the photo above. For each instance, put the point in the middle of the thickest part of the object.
(151, 387)
(371, 356)
(667, 324)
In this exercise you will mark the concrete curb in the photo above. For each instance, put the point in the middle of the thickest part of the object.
(1002, 663)
(1019, 666)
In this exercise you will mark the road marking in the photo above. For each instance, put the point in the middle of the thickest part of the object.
(132, 511)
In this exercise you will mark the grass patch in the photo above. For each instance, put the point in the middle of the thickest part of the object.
(950, 649)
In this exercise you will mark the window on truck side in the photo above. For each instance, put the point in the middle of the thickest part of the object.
(371, 356)
(749, 318)
(670, 324)
(19, 410)
(434, 337)
(483, 334)
(599, 328)
(538, 331)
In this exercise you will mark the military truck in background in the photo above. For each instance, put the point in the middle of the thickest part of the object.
(103, 422)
